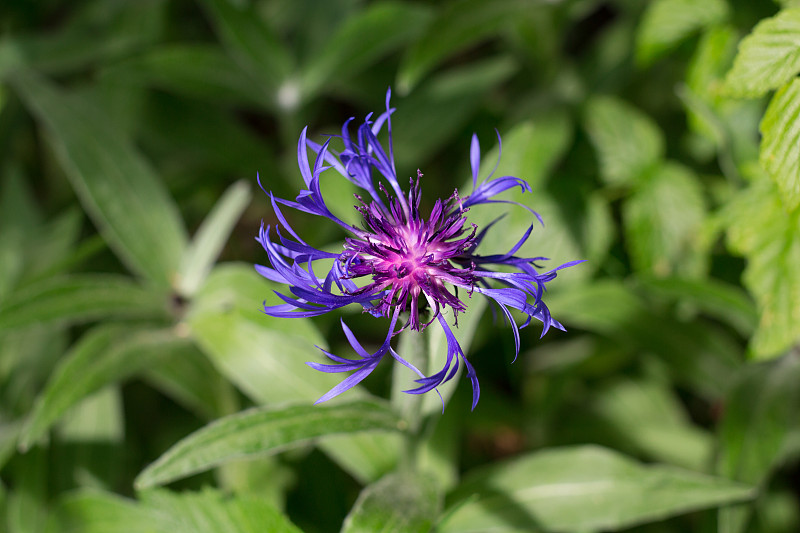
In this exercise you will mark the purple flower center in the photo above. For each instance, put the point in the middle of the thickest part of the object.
(411, 258)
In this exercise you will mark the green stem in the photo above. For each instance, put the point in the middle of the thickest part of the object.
(413, 347)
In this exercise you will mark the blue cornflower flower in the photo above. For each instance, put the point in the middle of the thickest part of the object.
(402, 261)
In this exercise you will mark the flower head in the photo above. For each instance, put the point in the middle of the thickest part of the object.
(398, 261)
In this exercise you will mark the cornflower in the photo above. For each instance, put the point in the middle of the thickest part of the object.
(398, 262)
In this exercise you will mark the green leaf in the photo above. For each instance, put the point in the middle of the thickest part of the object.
(104, 355)
(398, 502)
(663, 217)
(265, 357)
(768, 57)
(460, 25)
(116, 185)
(263, 430)
(667, 22)
(583, 488)
(208, 511)
(363, 39)
(211, 237)
(191, 380)
(760, 229)
(437, 109)
(250, 41)
(649, 417)
(780, 137)
(79, 298)
(628, 143)
(197, 70)
(760, 427)
(719, 299)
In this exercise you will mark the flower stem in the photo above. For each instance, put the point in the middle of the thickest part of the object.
(413, 348)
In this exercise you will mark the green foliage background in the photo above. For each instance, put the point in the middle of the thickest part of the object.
(142, 390)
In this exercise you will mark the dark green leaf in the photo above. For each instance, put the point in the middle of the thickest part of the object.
(118, 188)
(768, 57)
(433, 113)
(583, 488)
(460, 25)
(398, 502)
(263, 430)
(250, 41)
(363, 39)
(663, 218)
(667, 22)
(197, 70)
(760, 427)
(780, 131)
(721, 300)
(79, 298)
(650, 418)
(628, 143)
(104, 355)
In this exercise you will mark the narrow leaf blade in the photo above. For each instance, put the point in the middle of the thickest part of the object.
(263, 430)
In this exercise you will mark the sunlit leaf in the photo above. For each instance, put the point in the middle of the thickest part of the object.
(263, 430)
(163, 512)
(398, 502)
(768, 57)
(116, 185)
(761, 230)
(780, 131)
(583, 488)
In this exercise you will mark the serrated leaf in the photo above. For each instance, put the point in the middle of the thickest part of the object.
(364, 38)
(263, 430)
(761, 230)
(398, 502)
(768, 57)
(667, 22)
(628, 143)
(78, 298)
(760, 427)
(115, 184)
(104, 355)
(780, 138)
(460, 25)
(584, 488)
(211, 237)
(662, 217)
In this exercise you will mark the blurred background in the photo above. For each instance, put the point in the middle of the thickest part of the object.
(131, 134)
